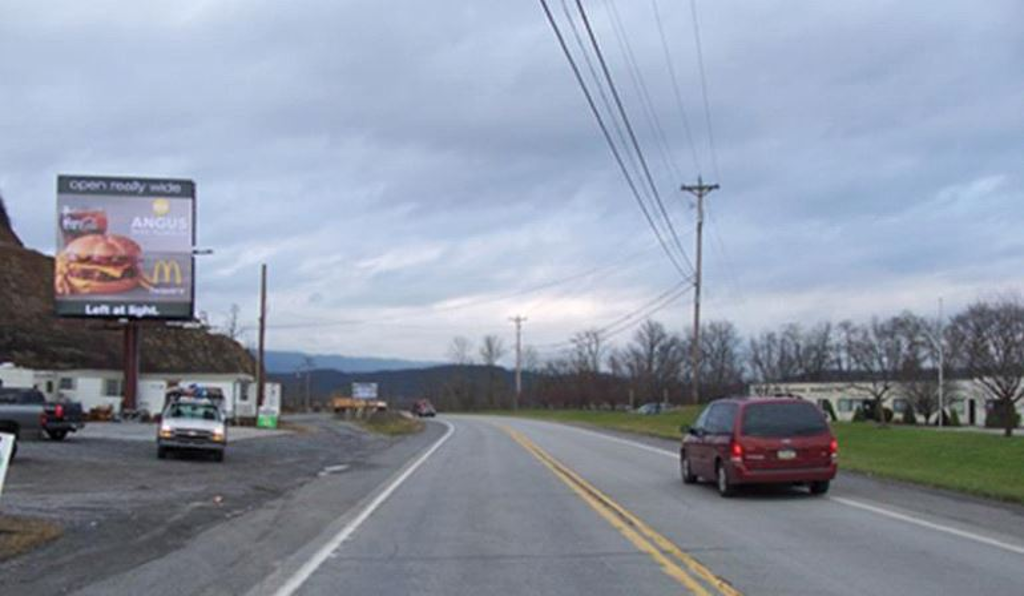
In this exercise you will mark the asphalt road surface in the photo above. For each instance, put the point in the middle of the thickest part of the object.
(503, 506)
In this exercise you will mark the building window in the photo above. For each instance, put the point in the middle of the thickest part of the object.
(845, 404)
(49, 386)
(899, 405)
(113, 387)
(67, 383)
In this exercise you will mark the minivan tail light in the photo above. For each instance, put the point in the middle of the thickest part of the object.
(59, 411)
(736, 451)
(833, 448)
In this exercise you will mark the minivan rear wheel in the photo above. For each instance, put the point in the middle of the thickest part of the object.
(725, 488)
(819, 488)
(684, 468)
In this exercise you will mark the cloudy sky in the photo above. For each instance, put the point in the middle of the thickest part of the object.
(412, 171)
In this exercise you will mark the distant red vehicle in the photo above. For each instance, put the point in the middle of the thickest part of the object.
(756, 440)
(424, 409)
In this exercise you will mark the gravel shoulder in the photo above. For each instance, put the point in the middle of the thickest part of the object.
(122, 509)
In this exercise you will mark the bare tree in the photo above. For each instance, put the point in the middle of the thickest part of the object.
(492, 350)
(989, 342)
(588, 351)
(460, 351)
(232, 326)
(792, 354)
(919, 375)
(772, 360)
(877, 352)
(652, 362)
(721, 366)
(458, 390)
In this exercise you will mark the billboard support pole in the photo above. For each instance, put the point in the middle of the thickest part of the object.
(132, 337)
(260, 374)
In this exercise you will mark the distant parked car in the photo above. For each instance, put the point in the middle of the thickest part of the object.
(424, 409)
(652, 408)
(192, 425)
(760, 441)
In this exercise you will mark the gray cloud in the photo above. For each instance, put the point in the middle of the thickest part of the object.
(389, 160)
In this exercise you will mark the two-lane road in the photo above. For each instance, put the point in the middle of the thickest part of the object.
(509, 506)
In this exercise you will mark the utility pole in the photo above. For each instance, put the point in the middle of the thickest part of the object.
(942, 358)
(698, 190)
(309, 378)
(260, 376)
(518, 320)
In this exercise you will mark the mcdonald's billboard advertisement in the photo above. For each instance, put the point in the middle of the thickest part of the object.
(124, 248)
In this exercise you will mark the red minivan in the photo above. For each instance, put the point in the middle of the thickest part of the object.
(760, 440)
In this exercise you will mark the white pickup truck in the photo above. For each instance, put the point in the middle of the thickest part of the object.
(191, 424)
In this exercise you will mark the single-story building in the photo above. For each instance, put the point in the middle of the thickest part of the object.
(97, 388)
(965, 397)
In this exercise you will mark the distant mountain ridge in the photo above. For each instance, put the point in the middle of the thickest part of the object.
(279, 362)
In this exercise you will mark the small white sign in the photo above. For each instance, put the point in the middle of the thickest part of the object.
(6, 446)
(364, 390)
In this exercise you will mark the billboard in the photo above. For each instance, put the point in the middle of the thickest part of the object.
(124, 248)
(364, 390)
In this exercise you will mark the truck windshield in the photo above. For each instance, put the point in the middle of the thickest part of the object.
(193, 411)
(782, 420)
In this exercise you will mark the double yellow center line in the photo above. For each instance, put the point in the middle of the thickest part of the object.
(678, 565)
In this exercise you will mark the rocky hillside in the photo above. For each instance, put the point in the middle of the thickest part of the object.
(32, 336)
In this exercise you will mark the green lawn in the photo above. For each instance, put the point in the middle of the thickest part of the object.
(975, 463)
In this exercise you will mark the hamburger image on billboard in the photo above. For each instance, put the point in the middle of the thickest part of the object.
(124, 247)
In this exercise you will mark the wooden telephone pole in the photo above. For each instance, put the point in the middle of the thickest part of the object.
(698, 190)
(261, 380)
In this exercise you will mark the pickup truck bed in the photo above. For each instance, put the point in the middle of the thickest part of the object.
(26, 414)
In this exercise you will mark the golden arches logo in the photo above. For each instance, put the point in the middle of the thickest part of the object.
(164, 271)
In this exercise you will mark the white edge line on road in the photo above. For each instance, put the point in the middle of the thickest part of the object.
(323, 553)
(840, 500)
(930, 525)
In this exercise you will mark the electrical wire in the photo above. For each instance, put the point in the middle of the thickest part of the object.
(615, 264)
(680, 104)
(704, 87)
(649, 308)
(608, 138)
(629, 127)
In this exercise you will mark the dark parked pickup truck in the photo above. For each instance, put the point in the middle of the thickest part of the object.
(26, 414)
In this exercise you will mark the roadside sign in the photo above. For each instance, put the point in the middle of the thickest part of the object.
(266, 418)
(364, 390)
(125, 248)
(6, 446)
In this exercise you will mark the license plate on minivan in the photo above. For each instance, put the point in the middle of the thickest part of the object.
(786, 454)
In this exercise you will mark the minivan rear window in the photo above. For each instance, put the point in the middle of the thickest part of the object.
(782, 420)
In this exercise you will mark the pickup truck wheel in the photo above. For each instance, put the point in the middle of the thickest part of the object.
(161, 453)
(57, 435)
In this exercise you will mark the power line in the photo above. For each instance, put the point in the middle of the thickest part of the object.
(704, 87)
(637, 78)
(608, 138)
(629, 127)
(675, 87)
(615, 264)
(650, 307)
(650, 114)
